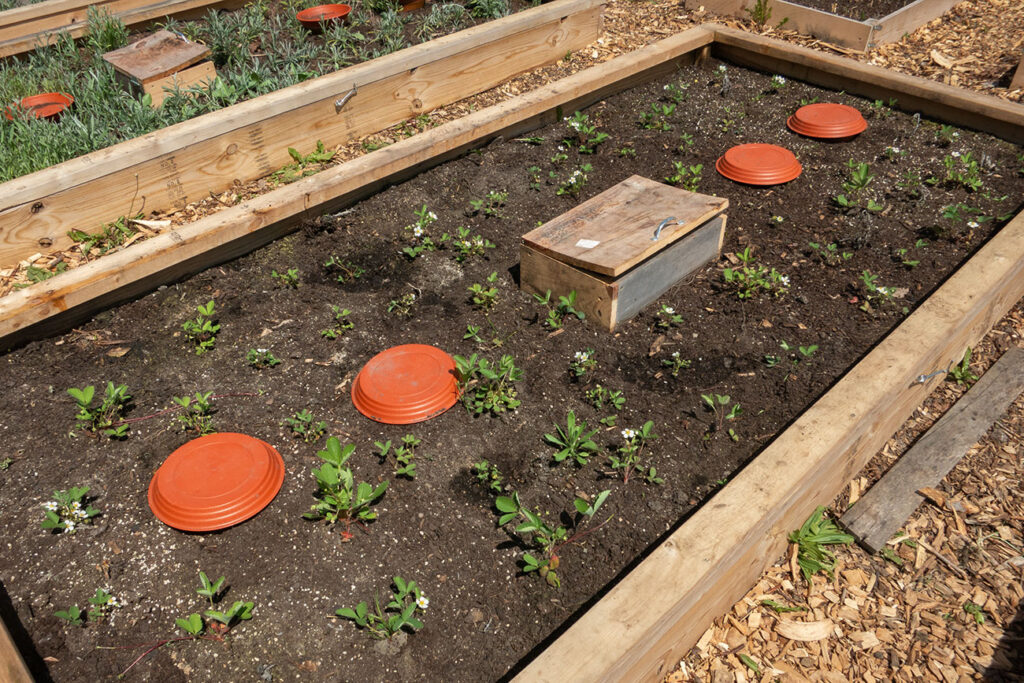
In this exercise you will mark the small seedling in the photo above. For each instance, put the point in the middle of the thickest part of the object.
(338, 496)
(466, 246)
(68, 510)
(559, 312)
(422, 241)
(752, 278)
(491, 205)
(657, 117)
(343, 271)
(108, 417)
(303, 165)
(600, 397)
(812, 541)
(545, 538)
(192, 624)
(584, 133)
(485, 296)
(226, 620)
(582, 363)
(486, 386)
(289, 279)
(489, 475)
(5, 464)
(779, 608)
(102, 602)
(341, 323)
(404, 454)
(210, 589)
(675, 363)
(975, 611)
(202, 331)
(399, 613)
(829, 254)
(687, 177)
(723, 409)
(576, 181)
(627, 456)
(72, 615)
(961, 372)
(302, 425)
(261, 358)
(402, 306)
(574, 441)
(196, 414)
(666, 318)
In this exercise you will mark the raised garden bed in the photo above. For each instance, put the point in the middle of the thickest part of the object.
(706, 559)
(212, 152)
(858, 25)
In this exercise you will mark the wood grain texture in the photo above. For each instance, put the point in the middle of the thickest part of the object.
(202, 73)
(170, 167)
(1018, 76)
(908, 19)
(12, 667)
(596, 297)
(614, 230)
(24, 28)
(889, 503)
(913, 94)
(824, 25)
(61, 301)
(652, 617)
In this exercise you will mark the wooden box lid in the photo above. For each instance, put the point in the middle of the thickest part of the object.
(156, 56)
(614, 231)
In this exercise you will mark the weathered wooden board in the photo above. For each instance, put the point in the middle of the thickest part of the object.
(908, 19)
(935, 100)
(210, 153)
(12, 666)
(61, 301)
(615, 230)
(200, 74)
(24, 28)
(889, 503)
(156, 56)
(1018, 76)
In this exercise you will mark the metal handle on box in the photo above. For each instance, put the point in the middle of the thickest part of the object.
(657, 233)
(339, 103)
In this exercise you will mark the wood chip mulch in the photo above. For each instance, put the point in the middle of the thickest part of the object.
(948, 605)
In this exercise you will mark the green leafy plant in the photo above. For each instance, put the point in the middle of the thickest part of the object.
(855, 185)
(627, 457)
(72, 615)
(723, 410)
(963, 170)
(398, 613)
(760, 12)
(486, 386)
(304, 426)
(192, 624)
(656, 118)
(402, 306)
(779, 608)
(666, 318)
(875, 295)
(466, 246)
(600, 397)
(108, 417)
(202, 331)
(303, 164)
(961, 373)
(226, 620)
(68, 510)
(343, 271)
(404, 454)
(687, 177)
(813, 540)
(574, 441)
(676, 363)
(491, 205)
(558, 312)
(340, 325)
(547, 539)
(975, 611)
(419, 230)
(102, 603)
(261, 358)
(576, 181)
(488, 474)
(752, 278)
(829, 254)
(585, 134)
(289, 279)
(196, 414)
(485, 296)
(583, 362)
(338, 496)
(210, 589)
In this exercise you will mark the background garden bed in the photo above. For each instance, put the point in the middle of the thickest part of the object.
(304, 584)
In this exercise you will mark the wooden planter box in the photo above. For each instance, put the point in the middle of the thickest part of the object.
(161, 60)
(851, 33)
(644, 623)
(622, 249)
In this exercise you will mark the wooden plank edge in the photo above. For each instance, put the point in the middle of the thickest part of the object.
(892, 500)
(651, 618)
(1018, 76)
(53, 305)
(12, 666)
(908, 19)
(836, 29)
(961, 107)
(117, 157)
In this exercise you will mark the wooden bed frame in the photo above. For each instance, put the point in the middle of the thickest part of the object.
(641, 627)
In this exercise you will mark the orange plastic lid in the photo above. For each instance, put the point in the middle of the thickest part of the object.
(45, 106)
(311, 18)
(756, 163)
(827, 120)
(215, 481)
(406, 384)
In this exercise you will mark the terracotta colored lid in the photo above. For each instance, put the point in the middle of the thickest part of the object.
(46, 106)
(759, 164)
(311, 18)
(827, 120)
(215, 481)
(406, 384)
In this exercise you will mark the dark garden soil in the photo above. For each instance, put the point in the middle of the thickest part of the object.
(440, 529)
(860, 10)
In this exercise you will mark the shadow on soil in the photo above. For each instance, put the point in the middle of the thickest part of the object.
(35, 663)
